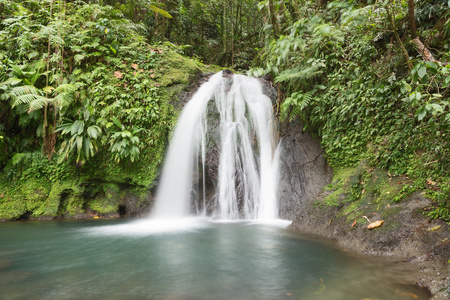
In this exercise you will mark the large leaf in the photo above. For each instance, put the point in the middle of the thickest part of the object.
(93, 131)
(77, 127)
(160, 11)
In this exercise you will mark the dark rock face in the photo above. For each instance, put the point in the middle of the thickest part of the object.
(304, 171)
(268, 88)
(188, 91)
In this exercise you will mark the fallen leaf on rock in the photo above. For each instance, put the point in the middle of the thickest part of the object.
(414, 296)
(118, 74)
(375, 224)
(354, 223)
(434, 228)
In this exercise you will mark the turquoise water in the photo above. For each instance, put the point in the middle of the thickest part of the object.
(123, 260)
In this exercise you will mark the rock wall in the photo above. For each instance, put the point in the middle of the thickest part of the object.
(304, 170)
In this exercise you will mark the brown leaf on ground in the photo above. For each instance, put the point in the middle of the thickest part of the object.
(134, 66)
(354, 223)
(414, 296)
(118, 74)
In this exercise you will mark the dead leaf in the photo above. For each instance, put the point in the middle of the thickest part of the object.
(434, 228)
(134, 66)
(414, 296)
(118, 74)
(375, 224)
(48, 89)
(431, 182)
(152, 76)
(354, 223)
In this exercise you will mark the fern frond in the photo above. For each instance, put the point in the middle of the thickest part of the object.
(23, 90)
(25, 99)
(39, 103)
(300, 73)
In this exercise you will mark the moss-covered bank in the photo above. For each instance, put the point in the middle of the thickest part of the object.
(33, 186)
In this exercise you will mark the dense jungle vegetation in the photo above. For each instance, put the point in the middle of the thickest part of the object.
(86, 89)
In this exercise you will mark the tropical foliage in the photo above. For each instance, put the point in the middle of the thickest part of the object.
(84, 83)
(360, 78)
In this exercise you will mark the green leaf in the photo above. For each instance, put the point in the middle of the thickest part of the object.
(422, 72)
(77, 127)
(160, 11)
(79, 143)
(117, 122)
(93, 131)
(407, 87)
(432, 66)
(437, 108)
(421, 113)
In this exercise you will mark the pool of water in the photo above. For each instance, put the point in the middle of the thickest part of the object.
(195, 260)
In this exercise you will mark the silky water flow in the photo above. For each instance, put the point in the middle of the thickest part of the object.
(247, 170)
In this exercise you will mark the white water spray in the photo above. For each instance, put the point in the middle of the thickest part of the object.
(248, 164)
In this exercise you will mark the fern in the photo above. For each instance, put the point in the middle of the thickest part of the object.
(295, 104)
(302, 73)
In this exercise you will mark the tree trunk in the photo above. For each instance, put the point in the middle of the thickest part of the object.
(412, 19)
(273, 19)
(391, 20)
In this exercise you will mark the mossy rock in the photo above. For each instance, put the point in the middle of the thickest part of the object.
(181, 70)
(108, 201)
(64, 198)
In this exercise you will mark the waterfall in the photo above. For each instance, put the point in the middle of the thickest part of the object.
(247, 171)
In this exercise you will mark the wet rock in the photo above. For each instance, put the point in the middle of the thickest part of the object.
(187, 91)
(303, 171)
(227, 73)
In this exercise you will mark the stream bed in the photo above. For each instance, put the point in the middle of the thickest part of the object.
(196, 259)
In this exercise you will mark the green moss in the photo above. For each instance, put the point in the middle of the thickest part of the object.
(107, 202)
(362, 191)
(181, 70)
(64, 198)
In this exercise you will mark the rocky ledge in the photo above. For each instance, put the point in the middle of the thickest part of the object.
(343, 205)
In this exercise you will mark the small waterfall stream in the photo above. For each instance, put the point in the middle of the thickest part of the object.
(247, 170)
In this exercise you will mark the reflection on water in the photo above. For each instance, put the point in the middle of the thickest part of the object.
(122, 260)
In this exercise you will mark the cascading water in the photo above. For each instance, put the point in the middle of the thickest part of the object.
(247, 171)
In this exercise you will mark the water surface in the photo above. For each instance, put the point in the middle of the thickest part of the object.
(126, 260)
